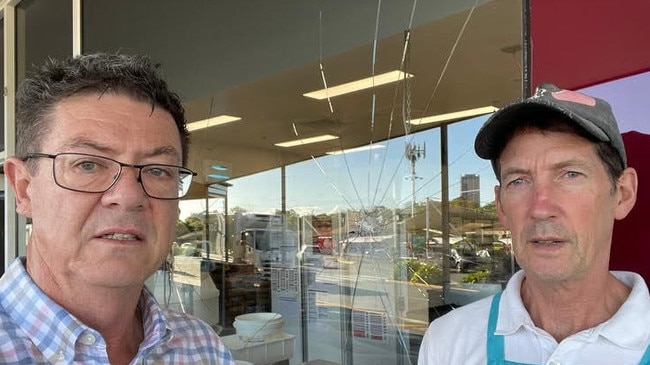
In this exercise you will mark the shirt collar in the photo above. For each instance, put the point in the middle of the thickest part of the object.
(513, 316)
(156, 324)
(512, 313)
(635, 312)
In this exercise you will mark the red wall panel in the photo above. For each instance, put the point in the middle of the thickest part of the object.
(631, 242)
(578, 43)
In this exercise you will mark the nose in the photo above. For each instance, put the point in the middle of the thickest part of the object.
(127, 190)
(543, 201)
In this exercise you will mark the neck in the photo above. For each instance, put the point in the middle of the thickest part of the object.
(563, 309)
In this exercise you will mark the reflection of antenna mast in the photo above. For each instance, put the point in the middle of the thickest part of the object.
(413, 153)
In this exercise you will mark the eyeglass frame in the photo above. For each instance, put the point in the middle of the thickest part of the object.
(33, 155)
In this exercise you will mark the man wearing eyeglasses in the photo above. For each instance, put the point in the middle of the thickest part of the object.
(101, 145)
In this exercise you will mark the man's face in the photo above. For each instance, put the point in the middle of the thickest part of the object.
(116, 238)
(557, 199)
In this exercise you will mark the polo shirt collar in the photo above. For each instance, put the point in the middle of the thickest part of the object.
(622, 329)
(629, 328)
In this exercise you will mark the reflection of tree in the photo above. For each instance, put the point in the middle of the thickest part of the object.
(237, 209)
(463, 203)
(194, 223)
(489, 208)
(181, 228)
(290, 217)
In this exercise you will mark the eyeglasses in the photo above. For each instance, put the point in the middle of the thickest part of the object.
(95, 174)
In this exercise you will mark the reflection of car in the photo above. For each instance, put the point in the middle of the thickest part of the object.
(191, 249)
(456, 260)
(469, 257)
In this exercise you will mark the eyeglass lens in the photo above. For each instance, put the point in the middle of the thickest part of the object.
(95, 174)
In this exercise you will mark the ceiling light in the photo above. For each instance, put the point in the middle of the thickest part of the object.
(218, 176)
(455, 115)
(356, 149)
(211, 122)
(218, 167)
(367, 83)
(299, 142)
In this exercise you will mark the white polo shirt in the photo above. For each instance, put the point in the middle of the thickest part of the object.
(460, 336)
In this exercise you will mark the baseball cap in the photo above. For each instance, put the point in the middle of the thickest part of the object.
(592, 114)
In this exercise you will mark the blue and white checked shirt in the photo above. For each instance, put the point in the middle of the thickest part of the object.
(36, 330)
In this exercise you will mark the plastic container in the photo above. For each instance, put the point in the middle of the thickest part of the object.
(269, 351)
(258, 326)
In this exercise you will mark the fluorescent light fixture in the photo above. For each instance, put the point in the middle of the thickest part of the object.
(219, 167)
(218, 176)
(356, 149)
(367, 83)
(211, 122)
(455, 115)
(299, 142)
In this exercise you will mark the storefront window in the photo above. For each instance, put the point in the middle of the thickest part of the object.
(364, 224)
(350, 249)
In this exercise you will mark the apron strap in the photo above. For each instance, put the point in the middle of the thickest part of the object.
(495, 347)
(645, 360)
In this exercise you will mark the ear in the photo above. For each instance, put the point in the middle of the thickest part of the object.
(19, 179)
(497, 201)
(626, 189)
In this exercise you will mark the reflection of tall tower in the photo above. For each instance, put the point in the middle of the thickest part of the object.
(414, 152)
(470, 188)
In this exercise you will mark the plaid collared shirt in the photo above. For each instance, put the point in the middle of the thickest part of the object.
(36, 330)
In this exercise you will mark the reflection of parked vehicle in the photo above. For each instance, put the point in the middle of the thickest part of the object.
(469, 257)
(456, 260)
(197, 248)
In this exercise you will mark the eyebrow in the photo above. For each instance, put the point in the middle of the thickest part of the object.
(556, 166)
(84, 142)
(571, 163)
(513, 171)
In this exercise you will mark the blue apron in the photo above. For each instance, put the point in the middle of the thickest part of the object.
(496, 349)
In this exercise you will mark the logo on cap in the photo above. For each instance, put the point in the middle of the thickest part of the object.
(574, 97)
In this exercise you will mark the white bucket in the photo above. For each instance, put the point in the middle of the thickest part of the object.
(258, 326)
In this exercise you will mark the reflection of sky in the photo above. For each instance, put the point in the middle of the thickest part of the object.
(379, 177)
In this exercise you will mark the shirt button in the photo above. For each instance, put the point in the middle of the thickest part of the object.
(58, 357)
(87, 339)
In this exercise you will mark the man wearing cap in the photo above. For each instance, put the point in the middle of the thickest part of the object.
(563, 181)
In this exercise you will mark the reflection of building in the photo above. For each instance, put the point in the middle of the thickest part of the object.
(470, 188)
